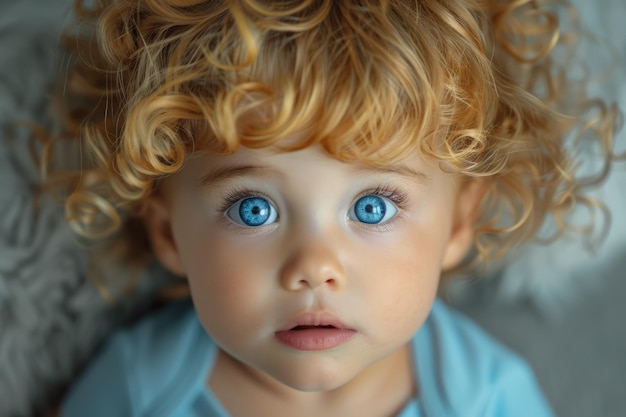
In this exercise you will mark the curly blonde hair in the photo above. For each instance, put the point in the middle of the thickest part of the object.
(471, 84)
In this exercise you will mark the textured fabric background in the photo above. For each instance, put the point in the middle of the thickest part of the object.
(51, 316)
(559, 306)
(567, 317)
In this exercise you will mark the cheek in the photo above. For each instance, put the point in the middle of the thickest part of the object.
(403, 278)
(403, 292)
(409, 258)
(219, 273)
(229, 284)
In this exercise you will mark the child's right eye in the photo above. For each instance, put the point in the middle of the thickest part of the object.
(252, 212)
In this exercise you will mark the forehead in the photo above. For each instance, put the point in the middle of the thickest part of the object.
(308, 163)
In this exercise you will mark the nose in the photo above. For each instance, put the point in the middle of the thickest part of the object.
(312, 266)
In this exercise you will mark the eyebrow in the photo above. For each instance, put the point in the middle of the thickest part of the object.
(227, 172)
(402, 170)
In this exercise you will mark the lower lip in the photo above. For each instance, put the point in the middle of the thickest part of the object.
(315, 339)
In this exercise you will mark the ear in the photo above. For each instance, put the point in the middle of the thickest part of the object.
(157, 219)
(469, 199)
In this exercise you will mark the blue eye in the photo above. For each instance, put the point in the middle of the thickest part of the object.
(373, 209)
(253, 212)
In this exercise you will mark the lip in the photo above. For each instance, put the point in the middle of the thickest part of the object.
(315, 331)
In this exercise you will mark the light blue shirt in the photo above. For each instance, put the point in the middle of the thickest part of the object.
(160, 367)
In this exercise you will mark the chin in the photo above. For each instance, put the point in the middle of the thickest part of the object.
(314, 377)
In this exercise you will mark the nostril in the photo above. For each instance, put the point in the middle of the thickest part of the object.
(312, 283)
(304, 282)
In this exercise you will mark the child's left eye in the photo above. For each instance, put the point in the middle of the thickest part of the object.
(252, 212)
(372, 209)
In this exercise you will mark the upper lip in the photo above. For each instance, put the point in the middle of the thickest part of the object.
(313, 319)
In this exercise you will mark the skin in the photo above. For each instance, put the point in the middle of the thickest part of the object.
(249, 282)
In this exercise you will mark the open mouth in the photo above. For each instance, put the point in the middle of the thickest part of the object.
(303, 327)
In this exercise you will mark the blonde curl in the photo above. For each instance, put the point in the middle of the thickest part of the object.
(470, 84)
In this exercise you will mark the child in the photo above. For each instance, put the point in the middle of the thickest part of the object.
(312, 168)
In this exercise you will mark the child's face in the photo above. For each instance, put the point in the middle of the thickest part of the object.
(270, 241)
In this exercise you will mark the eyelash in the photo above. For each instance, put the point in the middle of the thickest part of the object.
(392, 193)
(233, 195)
